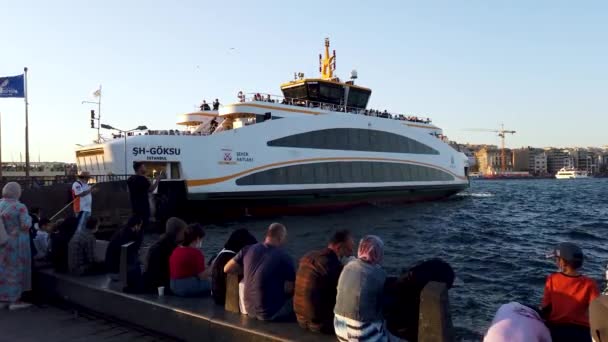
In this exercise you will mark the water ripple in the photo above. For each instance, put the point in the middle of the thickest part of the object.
(495, 235)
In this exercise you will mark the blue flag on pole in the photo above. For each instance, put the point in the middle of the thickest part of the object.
(12, 86)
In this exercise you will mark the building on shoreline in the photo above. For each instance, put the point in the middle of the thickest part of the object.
(539, 162)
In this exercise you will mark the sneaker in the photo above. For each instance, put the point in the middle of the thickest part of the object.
(19, 306)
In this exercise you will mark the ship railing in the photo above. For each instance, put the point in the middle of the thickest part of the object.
(270, 98)
(160, 132)
(35, 182)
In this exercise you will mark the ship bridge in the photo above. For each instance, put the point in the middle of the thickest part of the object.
(328, 88)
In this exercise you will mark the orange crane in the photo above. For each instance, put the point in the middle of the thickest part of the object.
(502, 132)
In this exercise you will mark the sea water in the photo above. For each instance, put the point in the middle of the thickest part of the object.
(495, 235)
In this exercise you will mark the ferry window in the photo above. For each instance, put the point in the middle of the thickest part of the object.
(358, 97)
(332, 93)
(345, 172)
(297, 92)
(313, 90)
(354, 139)
(175, 174)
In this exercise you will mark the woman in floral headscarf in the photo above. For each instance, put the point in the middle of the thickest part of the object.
(358, 310)
(15, 255)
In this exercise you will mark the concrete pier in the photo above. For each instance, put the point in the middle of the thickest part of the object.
(193, 319)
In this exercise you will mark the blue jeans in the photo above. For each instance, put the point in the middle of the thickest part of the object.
(83, 217)
(190, 287)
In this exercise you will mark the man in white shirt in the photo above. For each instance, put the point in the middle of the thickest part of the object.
(83, 201)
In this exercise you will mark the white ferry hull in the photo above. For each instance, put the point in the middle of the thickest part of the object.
(246, 168)
(570, 173)
(571, 176)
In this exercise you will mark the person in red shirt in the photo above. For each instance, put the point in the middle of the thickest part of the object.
(187, 265)
(567, 296)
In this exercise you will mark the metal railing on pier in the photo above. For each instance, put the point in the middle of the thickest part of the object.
(45, 181)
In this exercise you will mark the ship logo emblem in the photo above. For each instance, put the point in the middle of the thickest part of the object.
(227, 156)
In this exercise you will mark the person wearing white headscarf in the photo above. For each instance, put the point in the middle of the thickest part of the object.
(358, 313)
(15, 255)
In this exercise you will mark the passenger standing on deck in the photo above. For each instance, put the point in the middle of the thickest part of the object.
(216, 104)
(317, 282)
(269, 275)
(567, 296)
(140, 189)
(237, 240)
(83, 200)
(15, 254)
(189, 277)
(157, 262)
(81, 251)
(358, 311)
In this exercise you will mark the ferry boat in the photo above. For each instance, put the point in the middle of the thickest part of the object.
(570, 173)
(316, 147)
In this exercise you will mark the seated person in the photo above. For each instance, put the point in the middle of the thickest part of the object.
(269, 273)
(567, 296)
(81, 250)
(157, 262)
(35, 226)
(60, 240)
(187, 265)
(127, 234)
(42, 239)
(402, 310)
(358, 310)
(316, 283)
(598, 318)
(237, 240)
(514, 322)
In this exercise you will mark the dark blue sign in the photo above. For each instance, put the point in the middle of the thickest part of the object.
(12, 86)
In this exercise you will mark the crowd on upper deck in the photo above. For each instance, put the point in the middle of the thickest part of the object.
(335, 108)
(341, 289)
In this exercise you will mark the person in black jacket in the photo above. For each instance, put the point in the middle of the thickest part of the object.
(60, 240)
(157, 264)
(129, 233)
(237, 240)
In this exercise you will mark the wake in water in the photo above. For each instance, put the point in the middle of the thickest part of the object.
(475, 194)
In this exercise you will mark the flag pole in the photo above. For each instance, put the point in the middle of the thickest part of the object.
(99, 117)
(27, 132)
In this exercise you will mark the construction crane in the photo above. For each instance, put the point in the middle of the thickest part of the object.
(502, 132)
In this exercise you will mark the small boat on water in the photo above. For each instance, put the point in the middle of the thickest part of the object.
(570, 173)
(317, 146)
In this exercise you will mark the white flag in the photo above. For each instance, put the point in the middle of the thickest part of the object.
(97, 93)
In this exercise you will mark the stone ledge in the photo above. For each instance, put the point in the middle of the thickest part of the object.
(187, 319)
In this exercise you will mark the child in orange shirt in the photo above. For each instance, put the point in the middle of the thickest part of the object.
(568, 293)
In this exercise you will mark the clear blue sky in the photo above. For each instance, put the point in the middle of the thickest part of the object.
(538, 66)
